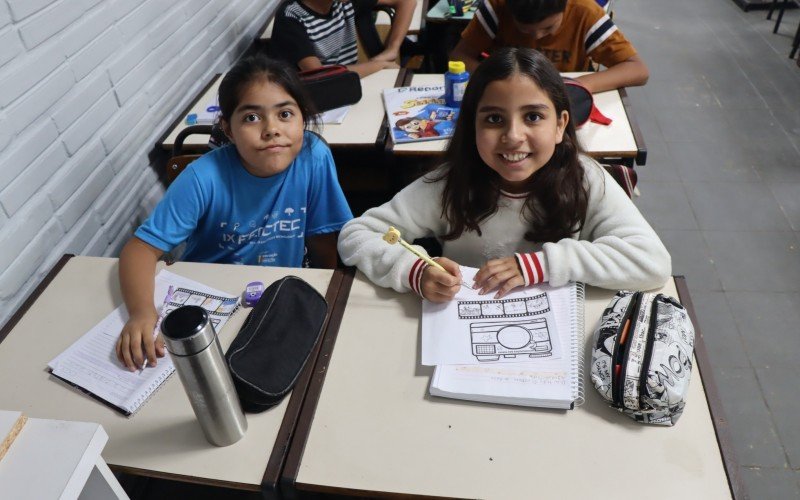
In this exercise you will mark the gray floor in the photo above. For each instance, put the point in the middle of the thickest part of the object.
(721, 120)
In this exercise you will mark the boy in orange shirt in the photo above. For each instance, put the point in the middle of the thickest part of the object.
(568, 32)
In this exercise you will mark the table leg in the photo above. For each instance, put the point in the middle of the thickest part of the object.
(102, 484)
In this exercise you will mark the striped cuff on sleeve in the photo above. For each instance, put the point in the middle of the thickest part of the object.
(415, 276)
(533, 271)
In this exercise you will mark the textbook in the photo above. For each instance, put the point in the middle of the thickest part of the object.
(419, 113)
(524, 349)
(90, 364)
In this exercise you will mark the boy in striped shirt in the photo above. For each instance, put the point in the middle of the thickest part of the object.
(569, 32)
(312, 33)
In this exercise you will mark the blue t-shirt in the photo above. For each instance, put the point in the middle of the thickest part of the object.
(225, 214)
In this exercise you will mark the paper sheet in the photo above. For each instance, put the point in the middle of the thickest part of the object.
(478, 329)
(91, 362)
(334, 116)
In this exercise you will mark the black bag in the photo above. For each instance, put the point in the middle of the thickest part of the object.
(272, 347)
(332, 86)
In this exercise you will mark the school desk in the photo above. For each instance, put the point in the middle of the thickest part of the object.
(72, 452)
(163, 439)
(440, 13)
(369, 427)
(363, 127)
(620, 141)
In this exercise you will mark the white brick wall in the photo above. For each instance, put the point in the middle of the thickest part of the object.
(86, 89)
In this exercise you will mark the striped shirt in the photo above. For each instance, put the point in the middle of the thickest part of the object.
(299, 32)
(586, 32)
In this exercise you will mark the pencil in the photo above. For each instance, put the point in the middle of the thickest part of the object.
(392, 236)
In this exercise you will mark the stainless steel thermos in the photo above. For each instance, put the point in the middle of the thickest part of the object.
(191, 340)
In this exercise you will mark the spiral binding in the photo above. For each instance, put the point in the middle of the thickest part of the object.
(578, 384)
(154, 386)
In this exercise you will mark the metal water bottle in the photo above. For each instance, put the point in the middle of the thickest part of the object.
(192, 342)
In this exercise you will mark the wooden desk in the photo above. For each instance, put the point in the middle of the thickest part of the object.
(363, 127)
(163, 439)
(369, 427)
(619, 141)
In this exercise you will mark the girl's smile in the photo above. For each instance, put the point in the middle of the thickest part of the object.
(517, 129)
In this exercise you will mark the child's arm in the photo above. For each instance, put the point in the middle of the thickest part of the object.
(363, 69)
(403, 12)
(465, 52)
(137, 269)
(617, 248)
(322, 250)
(416, 212)
(629, 73)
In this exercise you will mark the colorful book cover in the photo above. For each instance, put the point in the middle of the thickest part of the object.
(419, 113)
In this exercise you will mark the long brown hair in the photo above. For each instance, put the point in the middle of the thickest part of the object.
(557, 199)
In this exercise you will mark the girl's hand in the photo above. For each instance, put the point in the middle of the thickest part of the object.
(137, 331)
(503, 274)
(439, 286)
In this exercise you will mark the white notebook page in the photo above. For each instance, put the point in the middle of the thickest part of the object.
(91, 362)
(542, 382)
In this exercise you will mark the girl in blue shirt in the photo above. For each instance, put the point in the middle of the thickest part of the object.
(261, 200)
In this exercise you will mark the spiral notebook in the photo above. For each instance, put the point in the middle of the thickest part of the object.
(513, 344)
(90, 364)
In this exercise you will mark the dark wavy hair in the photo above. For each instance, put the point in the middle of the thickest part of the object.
(557, 199)
(533, 11)
(260, 67)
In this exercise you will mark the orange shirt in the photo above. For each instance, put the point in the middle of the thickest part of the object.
(586, 32)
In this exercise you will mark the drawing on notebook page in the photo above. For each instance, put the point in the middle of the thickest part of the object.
(478, 329)
(527, 339)
(512, 338)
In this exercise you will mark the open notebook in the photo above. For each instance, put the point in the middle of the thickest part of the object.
(90, 364)
(518, 356)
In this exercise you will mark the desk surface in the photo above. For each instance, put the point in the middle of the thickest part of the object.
(362, 127)
(599, 141)
(163, 439)
(375, 429)
(440, 13)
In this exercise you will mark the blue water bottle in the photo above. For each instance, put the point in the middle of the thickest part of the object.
(455, 83)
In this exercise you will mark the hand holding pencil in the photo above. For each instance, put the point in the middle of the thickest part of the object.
(441, 281)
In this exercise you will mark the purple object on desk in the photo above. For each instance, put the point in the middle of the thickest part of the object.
(252, 293)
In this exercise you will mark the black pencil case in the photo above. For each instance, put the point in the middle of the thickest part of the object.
(331, 86)
(272, 347)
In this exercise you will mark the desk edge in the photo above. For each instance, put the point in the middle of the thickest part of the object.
(303, 427)
(290, 421)
(638, 138)
(182, 116)
(713, 399)
(21, 310)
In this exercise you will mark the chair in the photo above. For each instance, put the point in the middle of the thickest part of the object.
(783, 6)
(179, 161)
